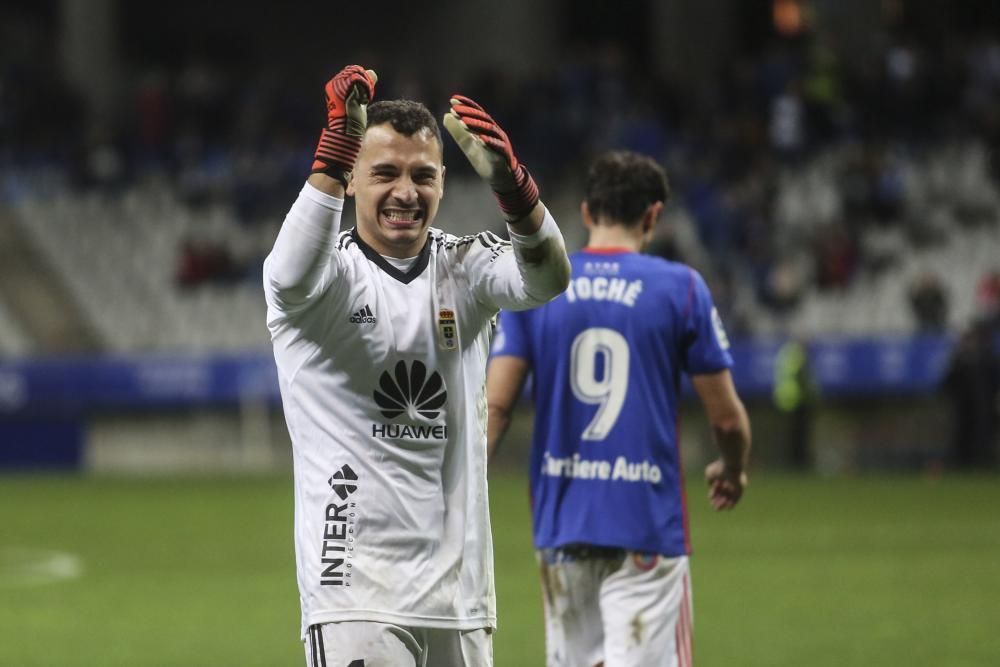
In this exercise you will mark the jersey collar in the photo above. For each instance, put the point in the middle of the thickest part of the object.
(621, 250)
(379, 261)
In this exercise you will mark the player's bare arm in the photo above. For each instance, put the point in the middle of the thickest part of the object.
(726, 476)
(505, 378)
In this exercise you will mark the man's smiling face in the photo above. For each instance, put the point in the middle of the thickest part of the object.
(397, 185)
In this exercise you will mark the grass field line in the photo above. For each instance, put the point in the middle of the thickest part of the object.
(23, 567)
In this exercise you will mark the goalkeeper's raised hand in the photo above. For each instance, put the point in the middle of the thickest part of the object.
(347, 96)
(492, 156)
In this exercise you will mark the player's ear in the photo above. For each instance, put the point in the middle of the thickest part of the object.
(588, 219)
(350, 186)
(443, 170)
(650, 217)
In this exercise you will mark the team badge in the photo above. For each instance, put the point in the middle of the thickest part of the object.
(447, 329)
(720, 331)
(645, 562)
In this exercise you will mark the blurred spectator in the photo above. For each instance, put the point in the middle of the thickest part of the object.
(929, 303)
(901, 96)
(201, 263)
(972, 385)
(822, 91)
(888, 187)
(102, 165)
(784, 284)
(988, 296)
(854, 183)
(795, 395)
(836, 256)
(786, 128)
(153, 122)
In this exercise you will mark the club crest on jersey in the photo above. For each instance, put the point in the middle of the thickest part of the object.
(447, 329)
(412, 392)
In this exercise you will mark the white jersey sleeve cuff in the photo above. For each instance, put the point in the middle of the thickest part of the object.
(316, 215)
(548, 230)
(542, 261)
(321, 198)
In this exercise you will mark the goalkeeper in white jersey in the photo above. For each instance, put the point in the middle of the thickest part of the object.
(381, 335)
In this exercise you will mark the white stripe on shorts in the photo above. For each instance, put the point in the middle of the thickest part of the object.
(683, 630)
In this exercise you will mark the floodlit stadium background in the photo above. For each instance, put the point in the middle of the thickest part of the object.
(836, 180)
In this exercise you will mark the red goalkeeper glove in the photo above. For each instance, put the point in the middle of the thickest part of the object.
(347, 97)
(489, 150)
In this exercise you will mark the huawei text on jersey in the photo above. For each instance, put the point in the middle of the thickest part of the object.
(412, 392)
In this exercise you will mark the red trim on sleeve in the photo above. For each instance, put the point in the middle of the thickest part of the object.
(690, 296)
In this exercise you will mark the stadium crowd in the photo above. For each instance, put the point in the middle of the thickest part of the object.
(782, 108)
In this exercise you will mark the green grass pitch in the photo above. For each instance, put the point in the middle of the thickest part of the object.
(888, 570)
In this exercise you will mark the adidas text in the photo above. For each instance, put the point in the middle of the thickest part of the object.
(363, 316)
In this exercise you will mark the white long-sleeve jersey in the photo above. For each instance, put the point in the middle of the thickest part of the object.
(382, 376)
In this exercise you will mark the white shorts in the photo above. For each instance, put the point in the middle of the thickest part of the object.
(370, 644)
(624, 608)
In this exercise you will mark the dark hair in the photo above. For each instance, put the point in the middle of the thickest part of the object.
(622, 184)
(406, 117)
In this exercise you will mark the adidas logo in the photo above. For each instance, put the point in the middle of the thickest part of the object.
(410, 391)
(363, 316)
(341, 482)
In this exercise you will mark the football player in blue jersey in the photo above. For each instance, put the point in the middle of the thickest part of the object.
(607, 494)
